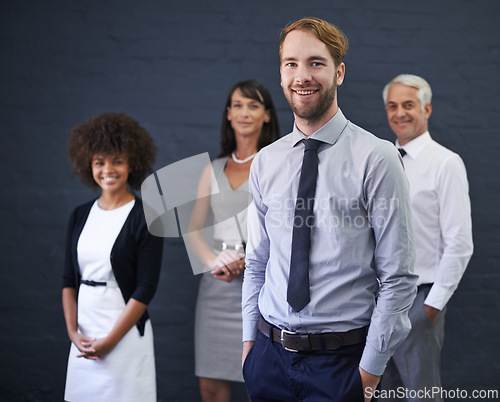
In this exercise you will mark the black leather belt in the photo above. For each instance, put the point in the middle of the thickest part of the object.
(295, 342)
(221, 246)
(93, 283)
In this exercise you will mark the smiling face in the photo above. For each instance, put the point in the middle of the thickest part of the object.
(309, 79)
(247, 116)
(405, 114)
(111, 172)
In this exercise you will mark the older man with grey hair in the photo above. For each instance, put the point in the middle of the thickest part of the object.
(443, 237)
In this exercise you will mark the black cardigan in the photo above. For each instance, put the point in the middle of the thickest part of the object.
(135, 256)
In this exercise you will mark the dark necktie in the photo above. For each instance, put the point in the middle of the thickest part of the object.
(298, 282)
(402, 152)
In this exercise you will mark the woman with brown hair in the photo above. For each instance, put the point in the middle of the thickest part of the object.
(249, 123)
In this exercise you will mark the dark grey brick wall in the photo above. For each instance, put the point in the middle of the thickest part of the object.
(169, 65)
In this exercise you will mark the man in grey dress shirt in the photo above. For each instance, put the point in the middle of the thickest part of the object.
(361, 254)
(443, 235)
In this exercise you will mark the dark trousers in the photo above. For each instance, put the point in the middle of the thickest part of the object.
(274, 374)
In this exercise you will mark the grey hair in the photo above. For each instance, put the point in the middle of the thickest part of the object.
(424, 93)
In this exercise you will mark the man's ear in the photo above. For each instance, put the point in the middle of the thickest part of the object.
(427, 110)
(340, 73)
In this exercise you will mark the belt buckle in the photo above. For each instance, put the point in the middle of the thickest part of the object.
(286, 332)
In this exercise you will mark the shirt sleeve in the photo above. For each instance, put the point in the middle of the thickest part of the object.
(456, 230)
(387, 193)
(257, 255)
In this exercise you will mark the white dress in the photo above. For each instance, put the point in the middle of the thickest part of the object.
(127, 373)
(218, 322)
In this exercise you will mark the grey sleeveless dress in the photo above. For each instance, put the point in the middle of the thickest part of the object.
(218, 326)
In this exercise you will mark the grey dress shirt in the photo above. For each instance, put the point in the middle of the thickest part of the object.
(362, 251)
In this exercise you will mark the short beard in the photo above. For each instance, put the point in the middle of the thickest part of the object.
(316, 112)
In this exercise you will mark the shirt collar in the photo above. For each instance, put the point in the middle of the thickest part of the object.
(329, 133)
(415, 146)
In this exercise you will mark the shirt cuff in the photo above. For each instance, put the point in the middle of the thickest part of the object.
(374, 362)
(250, 329)
(438, 297)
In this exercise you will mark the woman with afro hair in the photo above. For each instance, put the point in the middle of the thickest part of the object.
(112, 265)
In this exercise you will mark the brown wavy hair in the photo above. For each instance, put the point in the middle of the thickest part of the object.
(251, 89)
(111, 134)
(329, 34)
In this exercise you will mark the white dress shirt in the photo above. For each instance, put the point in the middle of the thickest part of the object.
(362, 251)
(441, 211)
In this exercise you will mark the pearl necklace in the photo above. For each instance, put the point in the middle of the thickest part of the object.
(242, 161)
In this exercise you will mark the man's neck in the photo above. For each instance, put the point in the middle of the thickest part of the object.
(404, 141)
(309, 127)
